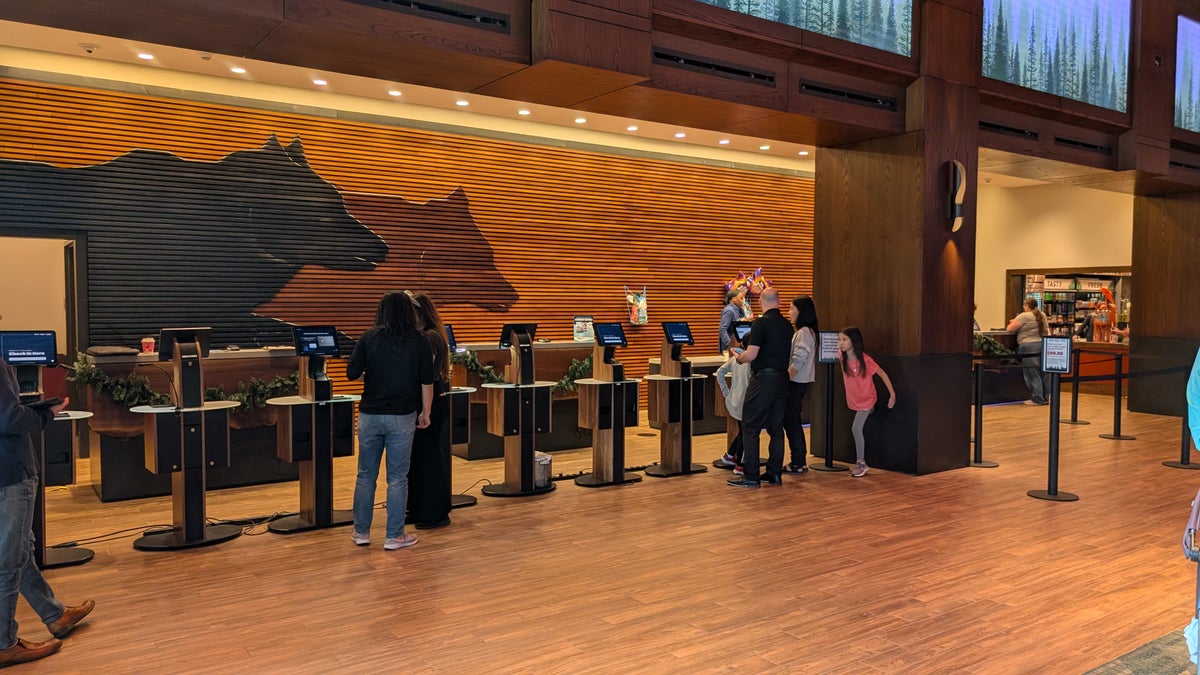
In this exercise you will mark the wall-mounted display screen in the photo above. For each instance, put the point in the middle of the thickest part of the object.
(1187, 75)
(29, 347)
(609, 334)
(677, 332)
(882, 24)
(315, 340)
(1077, 49)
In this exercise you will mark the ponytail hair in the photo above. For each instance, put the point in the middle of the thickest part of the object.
(1043, 326)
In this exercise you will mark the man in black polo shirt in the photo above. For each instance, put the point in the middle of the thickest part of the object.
(769, 348)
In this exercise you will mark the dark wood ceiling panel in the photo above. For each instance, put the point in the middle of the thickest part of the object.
(557, 83)
(219, 26)
(794, 128)
(647, 103)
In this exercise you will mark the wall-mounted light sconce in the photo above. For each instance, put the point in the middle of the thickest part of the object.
(957, 193)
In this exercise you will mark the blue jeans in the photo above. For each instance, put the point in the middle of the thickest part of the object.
(18, 571)
(378, 434)
(1037, 381)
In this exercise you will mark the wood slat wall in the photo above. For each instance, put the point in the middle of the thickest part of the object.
(495, 230)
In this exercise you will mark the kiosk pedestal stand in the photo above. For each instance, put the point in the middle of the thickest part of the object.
(673, 406)
(58, 438)
(184, 440)
(458, 432)
(517, 410)
(607, 404)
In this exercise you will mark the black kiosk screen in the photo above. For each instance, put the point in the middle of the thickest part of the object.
(741, 329)
(609, 334)
(315, 340)
(677, 332)
(506, 333)
(450, 339)
(168, 336)
(29, 347)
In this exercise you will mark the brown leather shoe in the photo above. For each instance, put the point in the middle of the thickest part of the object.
(70, 617)
(25, 650)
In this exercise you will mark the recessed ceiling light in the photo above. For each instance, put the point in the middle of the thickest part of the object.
(462, 103)
(631, 127)
(680, 134)
(803, 153)
(523, 111)
(145, 56)
(580, 120)
(319, 82)
(764, 147)
(237, 69)
(724, 141)
(393, 92)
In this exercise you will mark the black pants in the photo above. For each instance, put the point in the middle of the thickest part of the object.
(792, 424)
(429, 473)
(735, 447)
(766, 402)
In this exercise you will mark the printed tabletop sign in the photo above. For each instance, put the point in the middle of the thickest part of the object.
(1056, 354)
(829, 352)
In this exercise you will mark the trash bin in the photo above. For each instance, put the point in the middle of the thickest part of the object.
(541, 469)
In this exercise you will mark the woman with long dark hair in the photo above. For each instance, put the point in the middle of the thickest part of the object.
(429, 475)
(801, 373)
(397, 363)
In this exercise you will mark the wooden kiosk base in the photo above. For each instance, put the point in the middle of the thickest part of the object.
(516, 412)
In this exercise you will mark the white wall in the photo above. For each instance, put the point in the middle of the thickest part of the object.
(32, 275)
(1045, 226)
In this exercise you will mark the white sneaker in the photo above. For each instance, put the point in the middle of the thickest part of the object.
(860, 470)
(391, 544)
(360, 539)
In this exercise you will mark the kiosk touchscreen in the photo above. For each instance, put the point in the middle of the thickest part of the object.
(678, 333)
(609, 335)
(168, 336)
(315, 341)
(510, 329)
(29, 347)
(453, 343)
(741, 329)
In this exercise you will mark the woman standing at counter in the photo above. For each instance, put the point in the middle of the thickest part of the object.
(1030, 327)
(429, 475)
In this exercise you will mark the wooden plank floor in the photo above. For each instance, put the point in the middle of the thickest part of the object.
(953, 572)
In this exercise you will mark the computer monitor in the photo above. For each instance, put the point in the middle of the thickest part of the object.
(609, 334)
(450, 339)
(741, 329)
(678, 333)
(29, 347)
(506, 333)
(168, 336)
(315, 340)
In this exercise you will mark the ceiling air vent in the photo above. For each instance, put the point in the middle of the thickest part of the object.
(1189, 167)
(1007, 130)
(1082, 145)
(856, 97)
(697, 64)
(450, 12)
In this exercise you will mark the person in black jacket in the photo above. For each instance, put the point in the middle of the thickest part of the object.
(18, 493)
(429, 475)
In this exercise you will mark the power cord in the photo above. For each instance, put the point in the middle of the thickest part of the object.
(250, 525)
(481, 480)
(145, 530)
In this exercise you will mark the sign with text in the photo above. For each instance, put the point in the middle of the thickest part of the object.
(1056, 354)
(829, 352)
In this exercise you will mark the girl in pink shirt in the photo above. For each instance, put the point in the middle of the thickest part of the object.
(857, 372)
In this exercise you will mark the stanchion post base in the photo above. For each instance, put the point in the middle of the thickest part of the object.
(984, 464)
(591, 481)
(828, 467)
(721, 465)
(463, 501)
(1122, 437)
(1181, 465)
(1078, 422)
(658, 471)
(65, 557)
(1056, 497)
(294, 524)
(173, 540)
(502, 490)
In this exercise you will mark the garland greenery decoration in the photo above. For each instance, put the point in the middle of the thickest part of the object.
(579, 370)
(468, 360)
(990, 346)
(135, 389)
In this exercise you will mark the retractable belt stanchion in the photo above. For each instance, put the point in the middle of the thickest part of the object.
(458, 432)
(1117, 403)
(978, 460)
(184, 439)
(1057, 350)
(608, 403)
(312, 429)
(1075, 391)
(673, 406)
(828, 356)
(1185, 448)
(518, 409)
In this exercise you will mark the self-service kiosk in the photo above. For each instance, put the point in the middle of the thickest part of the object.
(518, 409)
(608, 403)
(312, 429)
(673, 404)
(183, 439)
